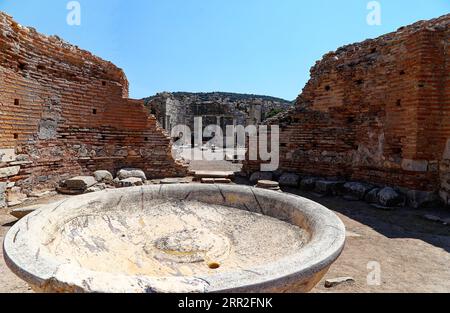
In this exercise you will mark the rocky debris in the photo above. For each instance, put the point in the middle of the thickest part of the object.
(372, 196)
(9, 171)
(126, 173)
(103, 176)
(277, 174)
(421, 199)
(77, 185)
(216, 181)
(172, 181)
(3, 187)
(354, 191)
(23, 158)
(331, 283)
(131, 182)
(308, 183)
(257, 176)
(269, 185)
(96, 188)
(80, 182)
(388, 197)
(327, 187)
(289, 180)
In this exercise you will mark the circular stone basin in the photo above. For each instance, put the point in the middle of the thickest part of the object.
(176, 238)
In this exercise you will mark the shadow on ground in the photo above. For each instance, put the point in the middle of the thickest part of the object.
(399, 223)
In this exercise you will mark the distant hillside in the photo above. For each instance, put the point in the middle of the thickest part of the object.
(180, 108)
(233, 97)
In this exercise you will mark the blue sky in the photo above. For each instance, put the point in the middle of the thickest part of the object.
(247, 46)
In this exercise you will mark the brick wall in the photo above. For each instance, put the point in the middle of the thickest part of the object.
(65, 112)
(376, 111)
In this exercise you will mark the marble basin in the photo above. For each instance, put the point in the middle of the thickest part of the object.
(176, 238)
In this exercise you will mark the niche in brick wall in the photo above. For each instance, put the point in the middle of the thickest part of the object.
(22, 66)
(16, 102)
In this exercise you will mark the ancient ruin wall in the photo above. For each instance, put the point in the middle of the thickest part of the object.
(215, 108)
(377, 111)
(65, 112)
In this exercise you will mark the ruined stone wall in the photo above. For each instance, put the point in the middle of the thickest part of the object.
(217, 108)
(377, 111)
(64, 112)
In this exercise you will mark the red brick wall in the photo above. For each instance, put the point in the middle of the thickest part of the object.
(376, 111)
(66, 111)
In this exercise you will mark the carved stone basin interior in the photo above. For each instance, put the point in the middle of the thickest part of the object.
(176, 238)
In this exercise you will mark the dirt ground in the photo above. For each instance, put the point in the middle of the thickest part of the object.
(9, 283)
(413, 253)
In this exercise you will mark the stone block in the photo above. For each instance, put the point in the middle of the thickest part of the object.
(9, 171)
(415, 165)
(126, 173)
(80, 182)
(308, 183)
(132, 181)
(327, 187)
(103, 176)
(356, 191)
(330, 283)
(289, 180)
(372, 196)
(388, 197)
(7, 155)
(257, 176)
(96, 188)
(277, 174)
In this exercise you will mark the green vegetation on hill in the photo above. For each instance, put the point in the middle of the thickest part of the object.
(206, 96)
